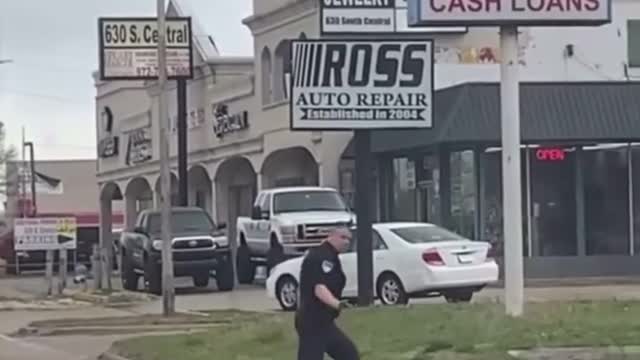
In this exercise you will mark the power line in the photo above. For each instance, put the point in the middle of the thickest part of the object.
(54, 98)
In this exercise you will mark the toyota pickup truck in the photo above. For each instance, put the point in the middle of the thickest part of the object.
(285, 223)
(199, 247)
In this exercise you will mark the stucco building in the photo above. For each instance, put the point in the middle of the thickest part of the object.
(239, 139)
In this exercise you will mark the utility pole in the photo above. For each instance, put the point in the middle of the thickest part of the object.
(168, 295)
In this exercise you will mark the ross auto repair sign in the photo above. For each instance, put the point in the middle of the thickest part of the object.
(505, 12)
(361, 84)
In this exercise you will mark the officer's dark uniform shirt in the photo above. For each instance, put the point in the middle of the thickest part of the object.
(321, 265)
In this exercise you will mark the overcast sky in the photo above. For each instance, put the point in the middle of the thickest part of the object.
(48, 88)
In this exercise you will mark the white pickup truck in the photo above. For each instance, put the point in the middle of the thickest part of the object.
(286, 222)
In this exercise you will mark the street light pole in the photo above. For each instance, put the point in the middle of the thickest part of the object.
(168, 295)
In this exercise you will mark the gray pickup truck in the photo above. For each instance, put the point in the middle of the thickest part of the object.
(199, 247)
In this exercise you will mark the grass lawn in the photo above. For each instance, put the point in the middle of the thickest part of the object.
(478, 331)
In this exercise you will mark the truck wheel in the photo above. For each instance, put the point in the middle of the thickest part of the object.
(275, 256)
(201, 280)
(225, 276)
(153, 277)
(128, 275)
(246, 268)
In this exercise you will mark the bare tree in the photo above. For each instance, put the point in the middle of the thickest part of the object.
(7, 154)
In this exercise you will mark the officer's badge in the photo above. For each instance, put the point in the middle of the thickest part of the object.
(327, 266)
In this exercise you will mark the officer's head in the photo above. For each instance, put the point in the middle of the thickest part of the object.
(340, 238)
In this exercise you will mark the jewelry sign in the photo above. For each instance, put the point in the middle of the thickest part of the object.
(371, 17)
(129, 48)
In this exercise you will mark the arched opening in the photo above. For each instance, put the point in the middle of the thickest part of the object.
(281, 71)
(110, 225)
(266, 69)
(175, 199)
(236, 187)
(289, 167)
(200, 188)
(138, 196)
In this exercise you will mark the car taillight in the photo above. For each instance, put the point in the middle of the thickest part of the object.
(432, 257)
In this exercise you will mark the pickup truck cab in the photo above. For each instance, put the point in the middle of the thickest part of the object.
(285, 223)
(199, 246)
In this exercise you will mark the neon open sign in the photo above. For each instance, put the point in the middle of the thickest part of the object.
(552, 154)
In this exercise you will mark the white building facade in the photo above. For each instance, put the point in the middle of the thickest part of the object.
(232, 157)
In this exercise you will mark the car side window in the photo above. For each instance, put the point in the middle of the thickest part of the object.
(266, 205)
(378, 243)
(259, 200)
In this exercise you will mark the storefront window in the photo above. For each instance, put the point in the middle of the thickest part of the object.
(463, 193)
(606, 190)
(404, 190)
(492, 209)
(635, 169)
(553, 201)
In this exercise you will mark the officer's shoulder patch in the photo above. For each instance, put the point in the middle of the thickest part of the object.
(327, 266)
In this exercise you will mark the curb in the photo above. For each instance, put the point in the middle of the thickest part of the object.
(110, 356)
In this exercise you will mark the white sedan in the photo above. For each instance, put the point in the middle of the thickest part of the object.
(410, 260)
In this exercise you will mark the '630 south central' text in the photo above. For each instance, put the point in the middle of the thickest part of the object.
(143, 34)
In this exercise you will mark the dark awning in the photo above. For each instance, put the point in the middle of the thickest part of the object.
(550, 112)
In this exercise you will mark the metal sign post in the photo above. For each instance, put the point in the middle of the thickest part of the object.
(168, 294)
(136, 49)
(508, 15)
(511, 174)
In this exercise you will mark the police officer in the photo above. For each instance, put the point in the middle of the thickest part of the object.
(321, 283)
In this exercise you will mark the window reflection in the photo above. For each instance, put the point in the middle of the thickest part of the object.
(553, 201)
(606, 182)
(404, 190)
(463, 193)
(492, 209)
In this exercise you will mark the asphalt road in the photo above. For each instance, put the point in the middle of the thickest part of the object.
(188, 298)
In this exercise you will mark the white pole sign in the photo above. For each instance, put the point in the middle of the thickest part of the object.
(128, 48)
(370, 17)
(361, 84)
(45, 234)
(508, 12)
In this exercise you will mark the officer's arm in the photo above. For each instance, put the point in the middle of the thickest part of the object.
(324, 294)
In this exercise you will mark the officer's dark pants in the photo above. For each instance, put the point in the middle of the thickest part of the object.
(315, 341)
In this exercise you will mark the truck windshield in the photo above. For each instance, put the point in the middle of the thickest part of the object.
(183, 222)
(300, 201)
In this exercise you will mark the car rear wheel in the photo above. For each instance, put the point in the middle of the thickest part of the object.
(224, 277)
(153, 277)
(287, 293)
(458, 295)
(275, 254)
(201, 280)
(128, 275)
(391, 291)
(246, 268)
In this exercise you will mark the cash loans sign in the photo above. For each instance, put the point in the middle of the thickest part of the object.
(505, 12)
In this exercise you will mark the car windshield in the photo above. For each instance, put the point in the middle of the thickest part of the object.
(300, 201)
(425, 234)
(184, 221)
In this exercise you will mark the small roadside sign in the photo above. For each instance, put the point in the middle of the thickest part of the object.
(45, 234)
